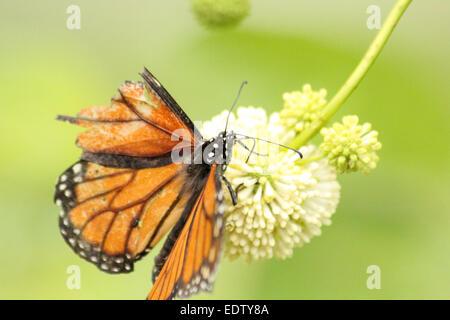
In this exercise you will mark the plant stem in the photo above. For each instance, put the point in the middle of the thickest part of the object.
(355, 78)
(310, 159)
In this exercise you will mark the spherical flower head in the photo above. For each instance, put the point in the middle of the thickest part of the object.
(302, 107)
(350, 146)
(220, 13)
(281, 203)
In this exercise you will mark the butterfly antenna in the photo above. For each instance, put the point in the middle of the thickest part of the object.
(234, 103)
(268, 141)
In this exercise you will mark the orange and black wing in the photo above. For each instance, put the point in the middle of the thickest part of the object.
(143, 122)
(188, 261)
(112, 216)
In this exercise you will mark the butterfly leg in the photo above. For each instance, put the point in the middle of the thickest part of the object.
(233, 193)
(252, 150)
(236, 191)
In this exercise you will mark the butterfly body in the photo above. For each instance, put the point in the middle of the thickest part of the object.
(216, 150)
(145, 172)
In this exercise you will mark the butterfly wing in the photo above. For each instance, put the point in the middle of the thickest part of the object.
(188, 261)
(112, 216)
(159, 91)
(143, 122)
(126, 192)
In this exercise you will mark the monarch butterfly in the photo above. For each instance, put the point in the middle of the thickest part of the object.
(144, 170)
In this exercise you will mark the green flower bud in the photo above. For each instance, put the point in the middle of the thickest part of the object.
(351, 147)
(220, 13)
(302, 107)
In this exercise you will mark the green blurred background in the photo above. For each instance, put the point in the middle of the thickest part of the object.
(396, 218)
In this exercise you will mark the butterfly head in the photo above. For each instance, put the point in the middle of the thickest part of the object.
(219, 150)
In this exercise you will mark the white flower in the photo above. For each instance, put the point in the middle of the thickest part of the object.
(281, 204)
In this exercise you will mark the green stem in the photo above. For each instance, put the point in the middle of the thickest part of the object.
(310, 159)
(355, 78)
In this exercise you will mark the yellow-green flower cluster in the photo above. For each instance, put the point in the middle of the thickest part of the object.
(302, 107)
(220, 13)
(350, 146)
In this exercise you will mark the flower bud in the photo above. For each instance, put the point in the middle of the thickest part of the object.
(220, 13)
(350, 146)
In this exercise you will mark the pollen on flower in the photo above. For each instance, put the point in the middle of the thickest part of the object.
(302, 107)
(350, 146)
(281, 204)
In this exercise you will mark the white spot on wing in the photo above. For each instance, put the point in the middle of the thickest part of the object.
(77, 168)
